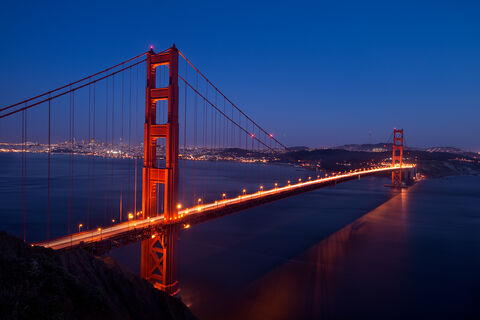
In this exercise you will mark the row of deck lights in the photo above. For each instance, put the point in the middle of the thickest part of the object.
(244, 193)
(224, 197)
(130, 217)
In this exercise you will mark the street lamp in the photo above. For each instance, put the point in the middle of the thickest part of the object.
(224, 196)
(130, 216)
(244, 191)
(80, 227)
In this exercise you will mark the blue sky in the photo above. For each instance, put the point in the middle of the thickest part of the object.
(316, 73)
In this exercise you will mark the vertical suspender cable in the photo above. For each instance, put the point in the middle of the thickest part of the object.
(130, 136)
(136, 144)
(24, 173)
(89, 191)
(106, 160)
(121, 148)
(48, 170)
(184, 138)
(112, 159)
(93, 159)
(195, 133)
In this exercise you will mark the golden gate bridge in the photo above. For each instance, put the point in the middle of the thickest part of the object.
(186, 117)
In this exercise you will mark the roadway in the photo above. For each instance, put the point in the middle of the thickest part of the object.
(204, 211)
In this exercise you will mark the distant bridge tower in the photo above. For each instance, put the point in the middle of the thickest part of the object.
(158, 261)
(397, 156)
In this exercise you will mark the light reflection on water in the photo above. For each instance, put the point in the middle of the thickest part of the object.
(305, 286)
(413, 256)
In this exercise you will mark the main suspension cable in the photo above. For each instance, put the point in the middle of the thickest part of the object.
(233, 104)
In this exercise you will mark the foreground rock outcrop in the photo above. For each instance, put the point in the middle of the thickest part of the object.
(39, 283)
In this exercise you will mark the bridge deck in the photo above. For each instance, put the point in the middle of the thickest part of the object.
(133, 230)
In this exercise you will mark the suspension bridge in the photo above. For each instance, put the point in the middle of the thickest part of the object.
(83, 162)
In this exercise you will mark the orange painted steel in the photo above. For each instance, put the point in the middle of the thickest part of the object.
(158, 259)
(397, 156)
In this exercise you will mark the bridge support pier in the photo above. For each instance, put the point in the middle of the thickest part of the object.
(159, 254)
(159, 260)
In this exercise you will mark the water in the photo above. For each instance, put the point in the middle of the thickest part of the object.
(342, 253)
(101, 191)
(356, 250)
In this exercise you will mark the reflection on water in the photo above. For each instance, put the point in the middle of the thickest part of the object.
(304, 286)
(414, 256)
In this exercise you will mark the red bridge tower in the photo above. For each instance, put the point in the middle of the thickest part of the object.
(397, 156)
(158, 261)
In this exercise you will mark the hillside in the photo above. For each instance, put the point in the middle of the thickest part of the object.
(39, 283)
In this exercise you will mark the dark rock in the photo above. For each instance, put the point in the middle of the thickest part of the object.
(39, 283)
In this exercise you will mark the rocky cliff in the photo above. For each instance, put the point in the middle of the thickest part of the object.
(39, 283)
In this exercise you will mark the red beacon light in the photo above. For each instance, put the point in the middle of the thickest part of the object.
(252, 135)
(271, 135)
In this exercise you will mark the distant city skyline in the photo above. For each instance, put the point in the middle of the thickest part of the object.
(315, 74)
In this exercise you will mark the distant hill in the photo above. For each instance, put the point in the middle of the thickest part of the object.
(445, 149)
(377, 147)
(431, 163)
(298, 148)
